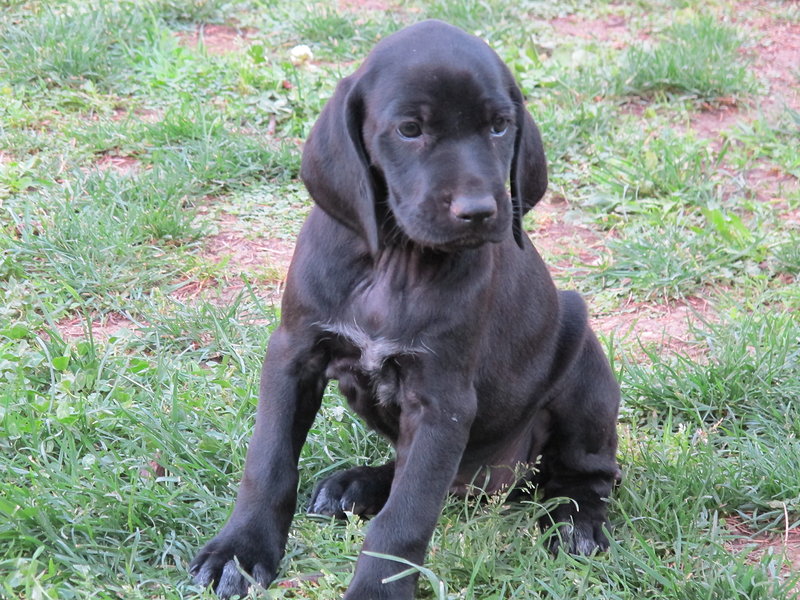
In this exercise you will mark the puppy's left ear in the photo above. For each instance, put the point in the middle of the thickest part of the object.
(528, 167)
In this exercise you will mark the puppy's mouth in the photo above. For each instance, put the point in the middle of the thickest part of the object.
(468, 242)
(448, 241)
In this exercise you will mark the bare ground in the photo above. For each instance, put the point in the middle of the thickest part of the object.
(776, 61)
(755, 545)
(125, 165)
(357, 5)
(262, 260)
(664, 327)
(217, 39)
(611, 29)
(103, 327)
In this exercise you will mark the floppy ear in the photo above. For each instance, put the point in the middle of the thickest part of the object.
(335, 167)
(528, 167)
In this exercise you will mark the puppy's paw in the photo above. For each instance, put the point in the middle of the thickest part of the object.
(362, 491)
(578, 537)
(221, 561)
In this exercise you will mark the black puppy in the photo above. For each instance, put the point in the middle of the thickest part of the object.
(415, 286)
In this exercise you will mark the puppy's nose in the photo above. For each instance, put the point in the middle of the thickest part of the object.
(473, 209)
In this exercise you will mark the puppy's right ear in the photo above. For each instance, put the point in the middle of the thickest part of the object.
(335, 167)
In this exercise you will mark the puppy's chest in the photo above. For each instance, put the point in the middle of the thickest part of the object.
(368, 351)
(374, 339)
(369, 365)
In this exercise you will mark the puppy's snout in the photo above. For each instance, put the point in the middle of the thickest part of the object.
(473, 210)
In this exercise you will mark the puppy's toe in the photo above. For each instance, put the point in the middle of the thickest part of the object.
(582, 537)
(232, 560)
(231, 582)
(327, 502)
(362, 491)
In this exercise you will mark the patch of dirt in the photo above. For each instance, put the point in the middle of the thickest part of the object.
(713, 120)
(667, 326)
(356, 5)
(771, 184)
(613, 29)
(764, 182)
(125, 165)
(776, 58)
(146, 115)
(217, 39)
(755, 545)
(263, 260)
(247, 255)
(560, 242)
(103, 327)
(5, 158)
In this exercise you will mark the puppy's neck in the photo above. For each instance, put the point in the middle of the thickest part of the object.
(407, 264)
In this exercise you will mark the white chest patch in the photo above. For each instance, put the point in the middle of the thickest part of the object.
(375, 350)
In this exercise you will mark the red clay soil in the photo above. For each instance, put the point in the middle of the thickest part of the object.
(771, 184)
(776, 61)
(246, 255)
(755, 545)
(124, 165)
(562, 242)
(665, 327)
(713, 120)
(263, 260)
(217, 39)
(146, 115)
(777, 58)
(612, 29)
(357, 5)
(104, 327)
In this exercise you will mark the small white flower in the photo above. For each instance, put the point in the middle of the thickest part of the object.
(300, 55)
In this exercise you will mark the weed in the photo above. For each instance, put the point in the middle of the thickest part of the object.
(63, 47)
(657, 174)
(472, 15)
(697, 58)
(676, 258)
(774, 139)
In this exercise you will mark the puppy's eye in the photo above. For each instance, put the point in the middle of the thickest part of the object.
(499, 126)
(409, 130)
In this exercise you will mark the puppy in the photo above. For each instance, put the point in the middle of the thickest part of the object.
(414, 285)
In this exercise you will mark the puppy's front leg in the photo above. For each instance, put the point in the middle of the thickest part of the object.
(434, 427)
(292, 383)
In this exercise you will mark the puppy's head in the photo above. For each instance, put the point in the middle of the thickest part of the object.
(421, 142)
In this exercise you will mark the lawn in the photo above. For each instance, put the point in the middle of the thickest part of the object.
(149, 199)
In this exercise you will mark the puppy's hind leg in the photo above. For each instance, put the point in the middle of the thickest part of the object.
(579, 459)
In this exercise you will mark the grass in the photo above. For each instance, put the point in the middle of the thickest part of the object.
(678, 258)
(771, 139)
(130, 353)
(697, 58)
